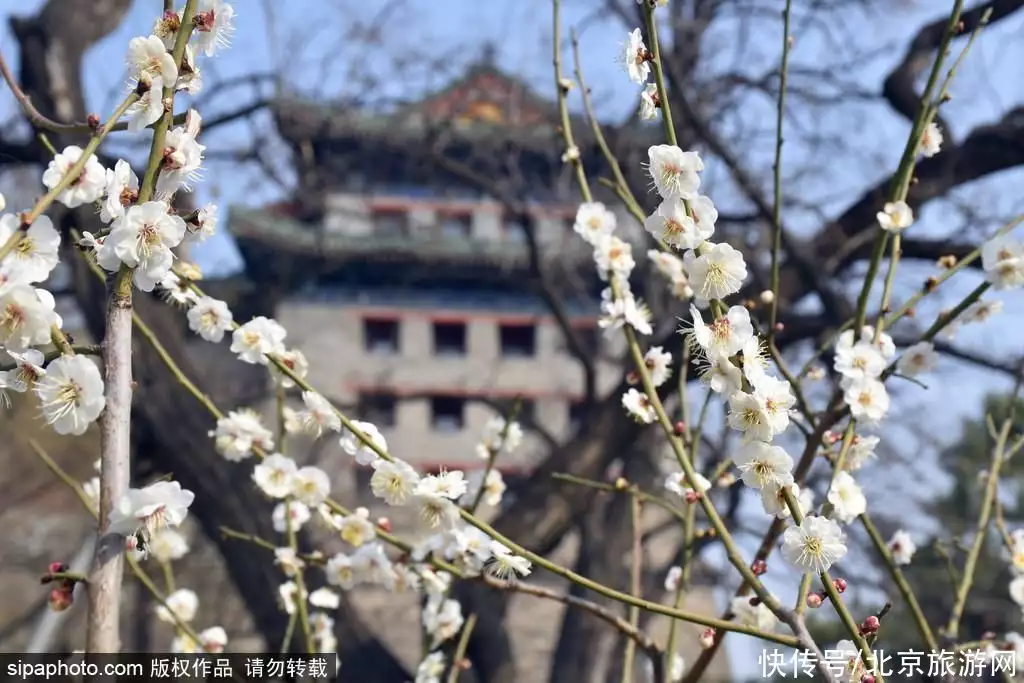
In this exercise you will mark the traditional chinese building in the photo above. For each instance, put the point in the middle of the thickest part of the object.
(410, 286)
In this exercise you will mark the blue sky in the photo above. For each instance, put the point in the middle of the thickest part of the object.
(330, 50)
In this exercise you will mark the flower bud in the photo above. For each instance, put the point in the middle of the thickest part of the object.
(692, 496)
(679, 428)
(759, 567)
(840, 584)
(707, 638)
(814, 600)
(384, 523)
(867, 678)
(767, 296)
(870, 625)
(61, 599)
(93, 121)
(621, 484)
(56, 568)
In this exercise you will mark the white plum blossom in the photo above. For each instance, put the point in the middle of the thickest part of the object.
(673, 226)
(506, 565)
(148, 58)
(493, 487)
(884, 344)
(205, 225)
(176, 290)
(902, 547)
(868, 400)
(442, 619)
(499, 437)
(289, 561)
(447, 484)
(148, 109)
(677, 484)
(71, 394)
(257, 338)
(210, 318)
(593, 222)
(862, 449)
(747, 414)
(776, 398)
(181, 606)
(895, 216)
(672, 578)
(239, 432)
(614, 256)
(1003, 261)
(649, 102)
(356, 529)
(674, 172)
(142, 239)
(635, 58)
(859, 361)
(36, 255)
(395, 482)
(717, 273)
(290, 513)
(431, 668)
(28, 369)
(981, 311)
(183, 160)
(847, 498)
(86, 188)
(754, 613)
(814, 545)
(435, 511)
(26, 316)
(319, 415)
(122, 189)
(625, 310)
(167, 545)
(352, 445)
(762, 465)
(918, 359)
(931, 140)
(311, 485)
(324, 598)
(773, 498)
(214, 26)
(725, 336)
(638, 405)
(659, 363)
(161, 505)
(721, 374)
(275, 475)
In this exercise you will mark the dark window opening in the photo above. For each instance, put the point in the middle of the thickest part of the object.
(380, 336)
(518, 341)
(456, 226)
(590, 340)
(447, 413)
(515, 232)
(391, 223)
(577, 411)
(449, 339)
(378, 409)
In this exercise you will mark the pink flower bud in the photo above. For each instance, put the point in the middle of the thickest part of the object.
(870, 625)
(814, 600)
(707, 638)
(840, 585)
(61, 599)
(759, 567)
